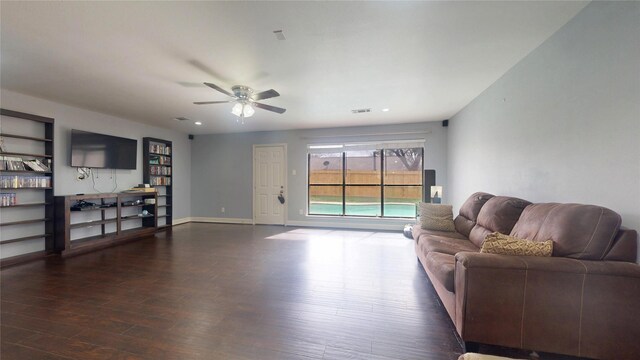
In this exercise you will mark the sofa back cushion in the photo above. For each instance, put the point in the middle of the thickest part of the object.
(499, 214)
(578, 231)
(624, 247)
(466, 219)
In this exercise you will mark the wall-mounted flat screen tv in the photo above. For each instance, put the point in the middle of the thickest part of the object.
(102, 151)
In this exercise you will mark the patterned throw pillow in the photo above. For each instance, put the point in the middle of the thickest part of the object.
(436, 217)
(502, 244)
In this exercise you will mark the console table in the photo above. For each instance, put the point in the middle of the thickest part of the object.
(116, 218)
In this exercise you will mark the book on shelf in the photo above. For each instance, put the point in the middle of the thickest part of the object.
(160, 149)
(11, 163)
(8, 199)
(159, 160)
(159, 170)
(19, 164)
(37, 165)
(160, 180)
(15, 181)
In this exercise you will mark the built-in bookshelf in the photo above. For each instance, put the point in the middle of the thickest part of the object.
(94, 221)
(26, 187)
(157, 155)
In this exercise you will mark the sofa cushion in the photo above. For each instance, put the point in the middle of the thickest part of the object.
(499, 214)
(446, 245)
(436, 217)
(502, 244)
(419, 232)
(578, 231)
(466, 219)
(442, 266)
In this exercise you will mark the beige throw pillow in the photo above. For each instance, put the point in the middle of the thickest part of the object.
(502, 244)
(436, 217)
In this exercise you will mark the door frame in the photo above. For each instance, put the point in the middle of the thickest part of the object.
(285, 178)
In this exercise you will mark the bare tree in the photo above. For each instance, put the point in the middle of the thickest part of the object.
(411, 158)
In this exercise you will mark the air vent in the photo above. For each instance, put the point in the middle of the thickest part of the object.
(181, 118)
(360, 111)
(279, 35)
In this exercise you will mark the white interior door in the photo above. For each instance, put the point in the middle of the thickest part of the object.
(269, 171)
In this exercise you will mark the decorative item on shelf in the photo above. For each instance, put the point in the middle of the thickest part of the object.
(150, 201)
(436, 194)
(2, 147)
(145, 213)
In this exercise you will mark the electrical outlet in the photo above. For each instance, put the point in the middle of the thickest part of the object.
(293, 172)
(222, 210)
(301, 212)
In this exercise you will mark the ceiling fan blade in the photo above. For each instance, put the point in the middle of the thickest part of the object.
(212, 102)
(265, 95)
(216, 87)
(269, 107)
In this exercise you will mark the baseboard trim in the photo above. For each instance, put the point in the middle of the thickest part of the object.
(395, 226)
(181, 221)
(221, 220)
(355, 226)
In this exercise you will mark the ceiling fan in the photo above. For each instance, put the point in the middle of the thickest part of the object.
(245, 100)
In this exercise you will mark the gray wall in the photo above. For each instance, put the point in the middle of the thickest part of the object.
(68, 117)
(222, 168)
(562, 125)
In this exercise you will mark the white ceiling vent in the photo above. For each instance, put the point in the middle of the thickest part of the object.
(360, 111)
(279, 35)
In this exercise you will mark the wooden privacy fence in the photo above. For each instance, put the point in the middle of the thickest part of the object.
(412, 180)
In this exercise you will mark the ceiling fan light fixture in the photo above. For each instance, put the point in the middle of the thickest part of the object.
(244, 100)
(248, 111)
(237, 109)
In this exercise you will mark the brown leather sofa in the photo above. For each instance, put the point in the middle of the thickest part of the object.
(583, 301)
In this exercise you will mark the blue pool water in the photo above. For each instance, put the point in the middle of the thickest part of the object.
(391, 210)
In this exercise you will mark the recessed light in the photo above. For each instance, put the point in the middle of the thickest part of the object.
(198, 123)
(385, 109)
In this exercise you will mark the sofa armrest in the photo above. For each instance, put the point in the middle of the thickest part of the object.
(560, 305)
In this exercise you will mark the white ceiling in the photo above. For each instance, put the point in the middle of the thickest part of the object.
(146, 61)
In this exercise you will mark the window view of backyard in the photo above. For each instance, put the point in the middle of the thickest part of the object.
(366, 182)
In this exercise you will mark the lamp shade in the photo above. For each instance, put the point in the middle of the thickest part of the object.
(248, 111)
(237, 109)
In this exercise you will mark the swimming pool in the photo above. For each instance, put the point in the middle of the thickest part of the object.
(363, 209)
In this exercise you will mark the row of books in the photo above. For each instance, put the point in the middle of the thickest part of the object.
(159, 160)
(159, 170)
(161, 181)
(160, 149)
(18, 164)
(10, 181)
(8, 199)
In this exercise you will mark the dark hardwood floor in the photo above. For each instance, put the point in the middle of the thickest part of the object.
(205, 291)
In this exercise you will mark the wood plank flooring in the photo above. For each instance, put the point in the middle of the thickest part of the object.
(213, 291)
